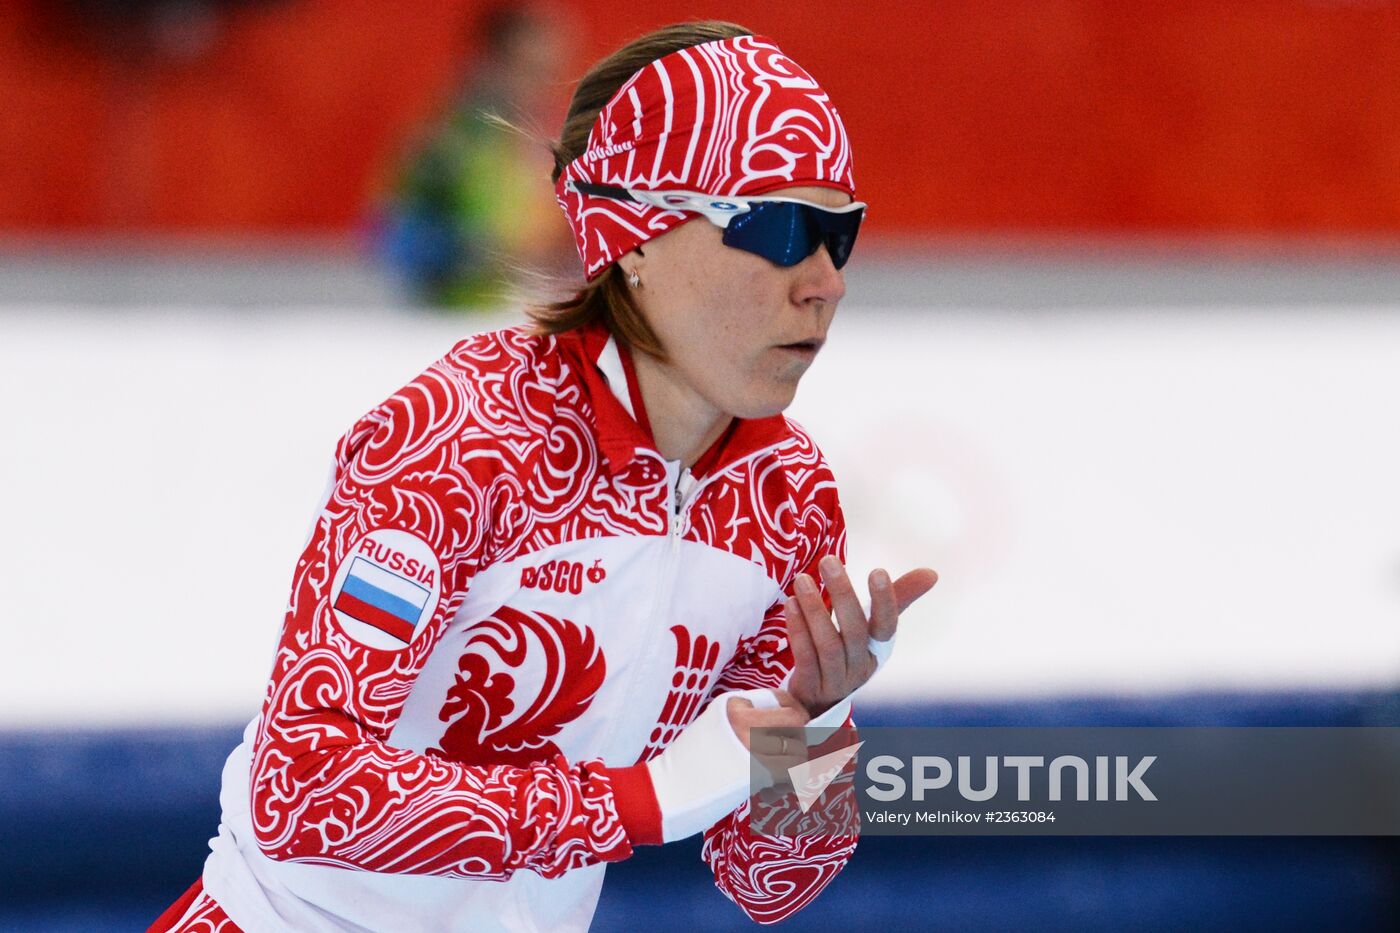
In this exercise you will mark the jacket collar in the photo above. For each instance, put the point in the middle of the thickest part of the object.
(619, 412)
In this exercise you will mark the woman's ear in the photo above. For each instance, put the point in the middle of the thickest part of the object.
(631, 265)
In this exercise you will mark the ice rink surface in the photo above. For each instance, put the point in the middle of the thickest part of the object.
(1122, 498)
(1159, 490)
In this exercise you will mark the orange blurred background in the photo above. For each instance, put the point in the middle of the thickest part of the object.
(1061, 116)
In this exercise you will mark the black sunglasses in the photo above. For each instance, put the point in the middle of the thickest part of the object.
(784, 231)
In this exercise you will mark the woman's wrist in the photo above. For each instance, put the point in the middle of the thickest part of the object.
(705, 773)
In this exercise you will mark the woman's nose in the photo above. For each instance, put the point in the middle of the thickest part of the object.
(818, 279)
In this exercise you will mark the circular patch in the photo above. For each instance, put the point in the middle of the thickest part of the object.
(386, 589)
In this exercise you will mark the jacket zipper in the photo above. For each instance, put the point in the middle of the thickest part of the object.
(687, 486)
(683, 489)
(685, 483)
(655, 624)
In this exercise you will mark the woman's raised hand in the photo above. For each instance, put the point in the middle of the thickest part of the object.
(829, 664)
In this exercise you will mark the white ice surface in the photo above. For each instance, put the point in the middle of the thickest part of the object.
(1133, 501)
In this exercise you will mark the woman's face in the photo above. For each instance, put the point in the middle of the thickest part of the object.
(728, 318)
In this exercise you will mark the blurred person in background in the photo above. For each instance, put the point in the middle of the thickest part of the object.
(559, 578)
(469, 208)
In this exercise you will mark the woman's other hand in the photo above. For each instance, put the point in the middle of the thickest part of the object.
(782, 747)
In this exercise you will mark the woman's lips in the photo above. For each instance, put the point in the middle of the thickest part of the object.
(806, 348)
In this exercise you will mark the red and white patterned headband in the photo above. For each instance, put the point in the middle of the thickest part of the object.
(730, 117)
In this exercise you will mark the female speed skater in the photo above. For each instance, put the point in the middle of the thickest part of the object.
(558, 578)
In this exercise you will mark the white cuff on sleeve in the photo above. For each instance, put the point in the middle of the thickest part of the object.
(704, 774)
(818, 730)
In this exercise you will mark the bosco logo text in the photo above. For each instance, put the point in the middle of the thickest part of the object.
(562, 576)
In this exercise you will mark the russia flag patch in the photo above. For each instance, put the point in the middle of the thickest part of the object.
(385, 588)
(382, 598)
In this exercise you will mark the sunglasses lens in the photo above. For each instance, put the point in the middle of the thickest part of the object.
(840, 236)
(776, 231)
(785, 233)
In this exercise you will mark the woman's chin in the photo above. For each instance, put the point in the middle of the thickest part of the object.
(772, 400)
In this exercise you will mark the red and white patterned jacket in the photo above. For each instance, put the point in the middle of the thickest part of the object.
(508, 603)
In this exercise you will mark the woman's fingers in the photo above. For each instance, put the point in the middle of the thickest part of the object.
(831, 662)
(778, 740)
(788, 700)
(771, 740)
(764, 730)
(806, 668)
(884, 606)
(831, 651)
(737, 708)
(781, 717)
(745, 717)
(912, 585)
(854, 626)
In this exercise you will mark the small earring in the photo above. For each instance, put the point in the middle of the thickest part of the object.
(634, 279)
